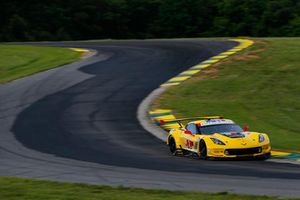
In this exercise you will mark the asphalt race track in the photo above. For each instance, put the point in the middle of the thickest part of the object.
(78, 123)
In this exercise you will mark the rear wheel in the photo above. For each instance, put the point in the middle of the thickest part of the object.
(172, 145)
(203, 150)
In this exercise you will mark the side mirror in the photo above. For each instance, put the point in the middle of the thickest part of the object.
(246, 128)
(188, 132)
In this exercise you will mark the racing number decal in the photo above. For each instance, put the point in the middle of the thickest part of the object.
(189, 144)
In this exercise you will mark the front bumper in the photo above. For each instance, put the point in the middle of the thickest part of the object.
(239, 152)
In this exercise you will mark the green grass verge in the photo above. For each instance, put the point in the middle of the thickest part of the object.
(20, 61)
(260, 87)
(17, 188)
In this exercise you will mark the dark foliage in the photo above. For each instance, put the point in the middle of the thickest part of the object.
(34, 20)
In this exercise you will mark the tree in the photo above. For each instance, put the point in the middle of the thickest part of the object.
(17, 29)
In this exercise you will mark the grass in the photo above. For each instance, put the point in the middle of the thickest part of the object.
(29, 189)
(20, 61)
(259, 86)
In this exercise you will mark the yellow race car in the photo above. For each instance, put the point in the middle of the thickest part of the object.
(216, 137)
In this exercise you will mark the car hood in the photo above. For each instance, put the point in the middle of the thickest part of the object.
(238, 139)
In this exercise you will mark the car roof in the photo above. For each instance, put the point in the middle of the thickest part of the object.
(208, 122)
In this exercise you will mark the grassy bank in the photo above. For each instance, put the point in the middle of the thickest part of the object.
(20, 61)
(16, 188)
(259, 87)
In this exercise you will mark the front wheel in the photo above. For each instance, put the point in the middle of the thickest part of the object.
(203, 150)
(264, 157)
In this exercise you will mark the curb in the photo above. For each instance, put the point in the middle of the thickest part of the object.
(80, 50)
(143, 116)
(85, 53)
(187, 74)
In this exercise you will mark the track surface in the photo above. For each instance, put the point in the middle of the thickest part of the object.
(78, 123)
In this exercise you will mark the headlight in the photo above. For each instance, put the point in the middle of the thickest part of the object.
(261, 138)
(216, 141)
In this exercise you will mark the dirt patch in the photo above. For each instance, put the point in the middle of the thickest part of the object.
(210, 71)
(247, 55)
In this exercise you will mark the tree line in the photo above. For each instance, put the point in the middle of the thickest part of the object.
(37, 20)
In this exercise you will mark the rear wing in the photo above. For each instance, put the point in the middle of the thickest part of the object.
(162, 122)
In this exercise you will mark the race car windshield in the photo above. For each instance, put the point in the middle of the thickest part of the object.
(219, 128)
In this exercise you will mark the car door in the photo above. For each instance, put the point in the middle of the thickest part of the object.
(189, 136)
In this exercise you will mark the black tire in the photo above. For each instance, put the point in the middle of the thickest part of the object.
(172, 146)
(264, 157)
(203, 150)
